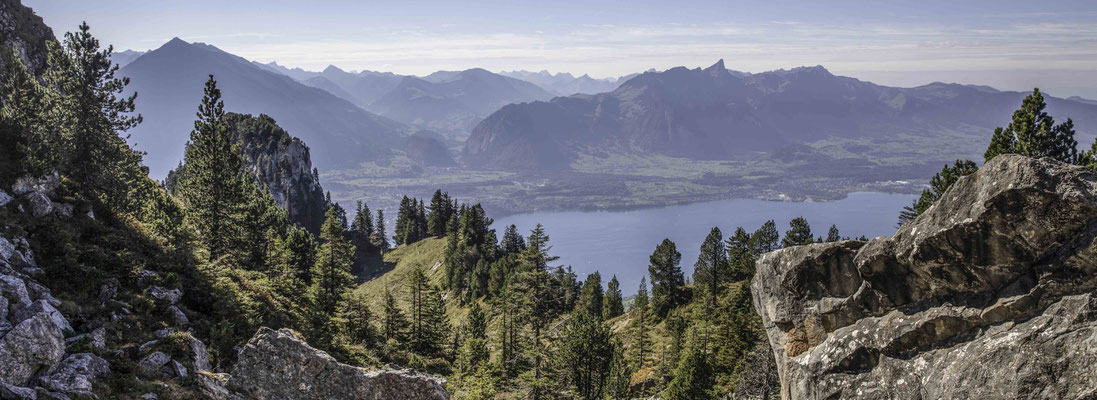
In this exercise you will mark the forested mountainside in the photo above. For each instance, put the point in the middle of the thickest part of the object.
(170, 78)
(280, 163)
(716, 113)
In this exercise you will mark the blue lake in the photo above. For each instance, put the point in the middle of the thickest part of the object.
(619, 242)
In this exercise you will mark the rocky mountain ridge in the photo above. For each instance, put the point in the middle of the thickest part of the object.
(991, 293)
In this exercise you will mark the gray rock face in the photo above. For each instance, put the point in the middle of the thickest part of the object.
(279, 365)
(14, 289)
(151, 366)
(42, 307)
(170, 296)
(5, 198)
(75, 374)
(33, 345)
(40, 204)
(991, 293)
(45, 184)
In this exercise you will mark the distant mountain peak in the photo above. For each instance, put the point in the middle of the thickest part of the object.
(332, 69)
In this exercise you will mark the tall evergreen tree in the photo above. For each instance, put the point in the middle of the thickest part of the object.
(612, 304)
(799, 233)
(765, 239)
(640, 324)
(394, 323)
(29, 135)
(211, 189)
(440, 212)
(619, 383)
(357, 316)
(711, 269)
(331, 275)
(474, 351)
(693, 379)
(538, 306)
(590, 299)
(512, 243)
(261, 222)
(666, 278)
(85, 78)
(586, 351)
(1033, 133)
(380, 239)
(740, 255)
(362, 229)
(832, 234)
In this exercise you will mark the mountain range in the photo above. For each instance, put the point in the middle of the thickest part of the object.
(453, 102)
(716, 113)
(565, 84)
(169, 82)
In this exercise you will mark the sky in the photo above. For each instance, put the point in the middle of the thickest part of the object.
(1007, 44)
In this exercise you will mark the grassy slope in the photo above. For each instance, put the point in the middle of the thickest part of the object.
(427, 254)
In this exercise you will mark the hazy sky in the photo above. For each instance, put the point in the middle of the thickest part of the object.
(1003, 43)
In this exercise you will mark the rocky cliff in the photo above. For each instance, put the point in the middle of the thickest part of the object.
(24, 31)
(991, 293)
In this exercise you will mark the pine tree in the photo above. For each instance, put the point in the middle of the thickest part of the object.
(474, 351)
(29, 139)
(666, 278)
(440, 211)
(590, 299)
(1033, 133)
(261, 222)
(362, 229)
(765, 239)
(85, 77)
(612, 304)
(380, 240)
(740, 255)
(331, 275)
(711, 269)
(832, 234)
(296, 257)
(693, 379)
(799, 233)
(357, 316)
(640, 324)
(211, 189)
(418, 288)
(537, 304)
(394, 324)
(619, 382)
(586, 352)
(512, 241)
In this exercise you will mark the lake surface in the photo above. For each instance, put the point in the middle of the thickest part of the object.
(620, 242)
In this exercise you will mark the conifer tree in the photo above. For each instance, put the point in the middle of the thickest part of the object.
(440, 212)
(29, 137)
(693, 379)
(711, 269)
(586, 351)
(799, 233)
(832, 234)
(619, 382)
(937, 187)
(427, 311)
(357, 316)
(297, 255)
(612, 304)
(261, 222)
(85, 77)
(211, 189)
(538, 306)
(362, 229)
(1033, 133)
(590, 299)
(641, 319)
(474, 351)
(513, 243)
(380, 239)
(666, 278)
(765, 239)
(740, 255)
(331, 275)
(394, 323)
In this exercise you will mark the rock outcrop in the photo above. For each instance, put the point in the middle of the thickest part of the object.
(991, 293)
(279, 365)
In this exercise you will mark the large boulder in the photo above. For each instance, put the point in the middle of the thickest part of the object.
(279, 365)
(42, 307)
(991, 293)
(44, 184)
(75, 374)
(31, 347)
